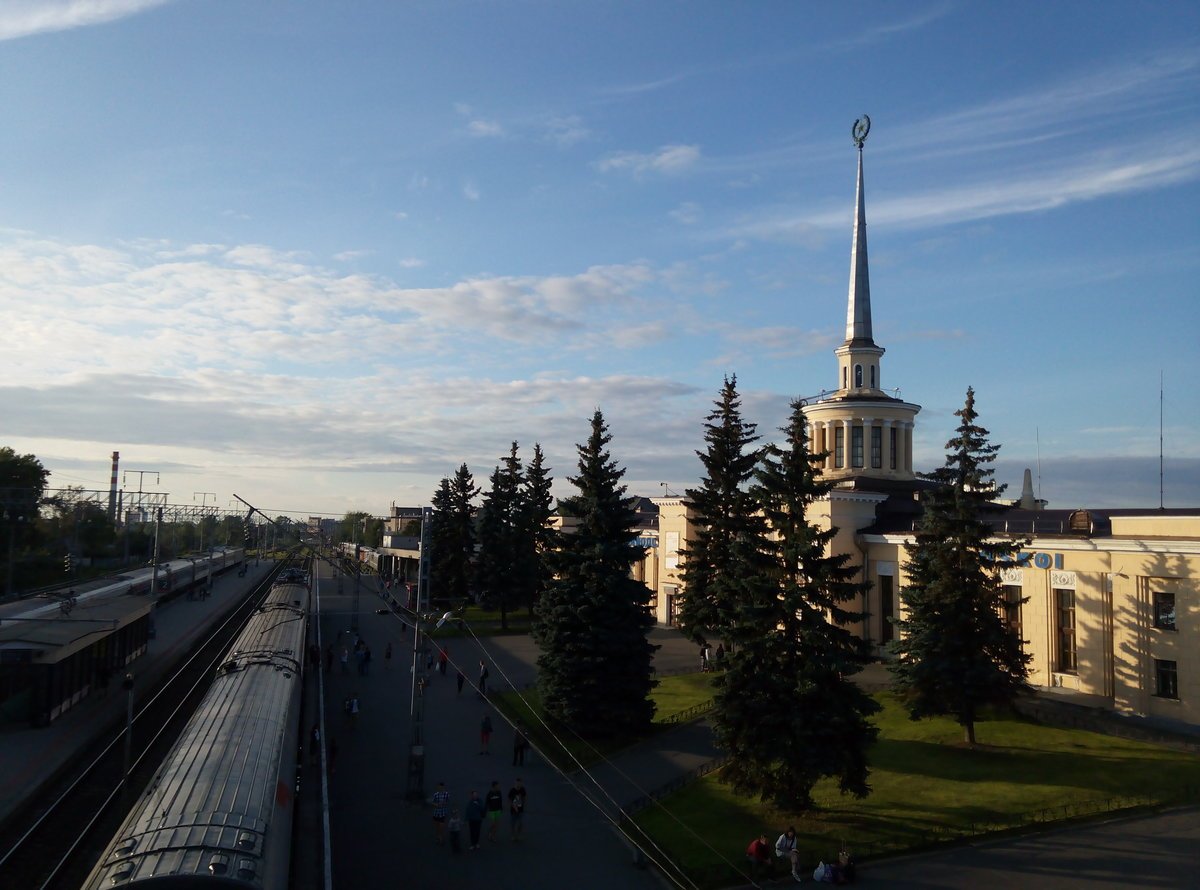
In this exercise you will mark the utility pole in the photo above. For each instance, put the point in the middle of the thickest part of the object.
(416, 708)
(205, 495)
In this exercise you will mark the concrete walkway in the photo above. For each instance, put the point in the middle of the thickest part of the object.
(380, 839)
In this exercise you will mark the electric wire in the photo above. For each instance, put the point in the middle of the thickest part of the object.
(585, 770)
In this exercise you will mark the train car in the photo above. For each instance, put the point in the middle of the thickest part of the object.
(218, 812)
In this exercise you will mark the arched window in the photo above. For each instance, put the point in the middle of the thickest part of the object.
(858, 375)
(872, 376)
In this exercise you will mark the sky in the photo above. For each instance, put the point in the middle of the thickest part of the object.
(319, 254)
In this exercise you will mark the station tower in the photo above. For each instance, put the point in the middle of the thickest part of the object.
(866, 432)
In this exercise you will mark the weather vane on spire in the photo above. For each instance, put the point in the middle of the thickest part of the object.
(859, 131)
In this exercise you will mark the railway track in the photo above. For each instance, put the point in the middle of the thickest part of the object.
(53, 841)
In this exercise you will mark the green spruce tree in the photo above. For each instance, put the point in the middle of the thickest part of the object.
(723, 562)
(539, 540)
(595, 667)
(787, 709)
(501, 571)
(956, 653)
(452, 536)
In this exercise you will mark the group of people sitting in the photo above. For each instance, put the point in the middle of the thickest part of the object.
(759, 855)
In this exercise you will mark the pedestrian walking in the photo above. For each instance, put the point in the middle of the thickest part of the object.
(474, 818)
(314, 743)
(460, 678)
(443, 660)
(387, 657)
(352, 708)
(485, 734)
(344, 657)
(366, 661)
(704, 658)
(516, 809)
(493, 805)
(454, 826)
(720, 656)
(483, 678)
(520, 744)
(441, 806)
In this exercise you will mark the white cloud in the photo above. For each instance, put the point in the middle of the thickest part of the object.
(668, 159)
(566, 131)
(485, 128)
(411, 263)
(1064, 181)
(688, 213)
(348, 255)
(471, 191)
(21, 18)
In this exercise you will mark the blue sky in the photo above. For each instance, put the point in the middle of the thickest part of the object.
(319, 254)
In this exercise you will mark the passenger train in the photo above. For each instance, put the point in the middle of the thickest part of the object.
(218, 812)
(174, 576)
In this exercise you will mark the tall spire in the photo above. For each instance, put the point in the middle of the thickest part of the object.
(858, 308)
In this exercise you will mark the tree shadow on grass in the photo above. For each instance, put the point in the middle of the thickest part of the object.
(1086, 769)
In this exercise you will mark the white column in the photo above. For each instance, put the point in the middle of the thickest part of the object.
(908, 428)
(847, 424)
(886, 439)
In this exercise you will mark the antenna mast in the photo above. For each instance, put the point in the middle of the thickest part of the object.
(1160, 439)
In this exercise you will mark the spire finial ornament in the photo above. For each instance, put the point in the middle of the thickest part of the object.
(859, 131)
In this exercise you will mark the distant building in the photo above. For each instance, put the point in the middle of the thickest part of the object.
(1113, 611)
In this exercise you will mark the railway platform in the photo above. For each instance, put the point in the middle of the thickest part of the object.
(34, 755)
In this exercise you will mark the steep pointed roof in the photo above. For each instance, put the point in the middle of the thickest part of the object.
(858, 308)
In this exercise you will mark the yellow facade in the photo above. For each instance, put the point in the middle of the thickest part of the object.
(1112, 610)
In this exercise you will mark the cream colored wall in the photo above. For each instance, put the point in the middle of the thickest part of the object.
(1116, 641)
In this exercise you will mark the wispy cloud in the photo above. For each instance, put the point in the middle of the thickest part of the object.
(668, 159)
(21, 18)
(688, 213)
(1058, 183)
(471, 191)
(566, 131)
(485, 128)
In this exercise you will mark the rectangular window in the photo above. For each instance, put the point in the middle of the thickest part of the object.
(892, 445)
(856, 446)
(1166, 679)
(1164, 611)
(1064, 629)
(886, 609)
(839, 446)
(1012, 610)
(877, 447)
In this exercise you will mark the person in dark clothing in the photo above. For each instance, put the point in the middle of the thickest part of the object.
(474, 816)
(520, 744)
(493, 805)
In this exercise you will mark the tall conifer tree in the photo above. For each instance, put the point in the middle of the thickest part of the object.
(452, 537)
(788, 711)
(594, 670)
(540, 539)
(956, 653)
(723, 562)
(501, 571)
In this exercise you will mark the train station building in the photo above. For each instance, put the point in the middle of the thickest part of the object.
(1111, 611)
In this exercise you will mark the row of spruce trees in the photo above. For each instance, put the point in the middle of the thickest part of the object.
(761, 577)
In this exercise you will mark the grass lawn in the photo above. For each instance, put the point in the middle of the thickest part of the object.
(927, 786)
(672, 695)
